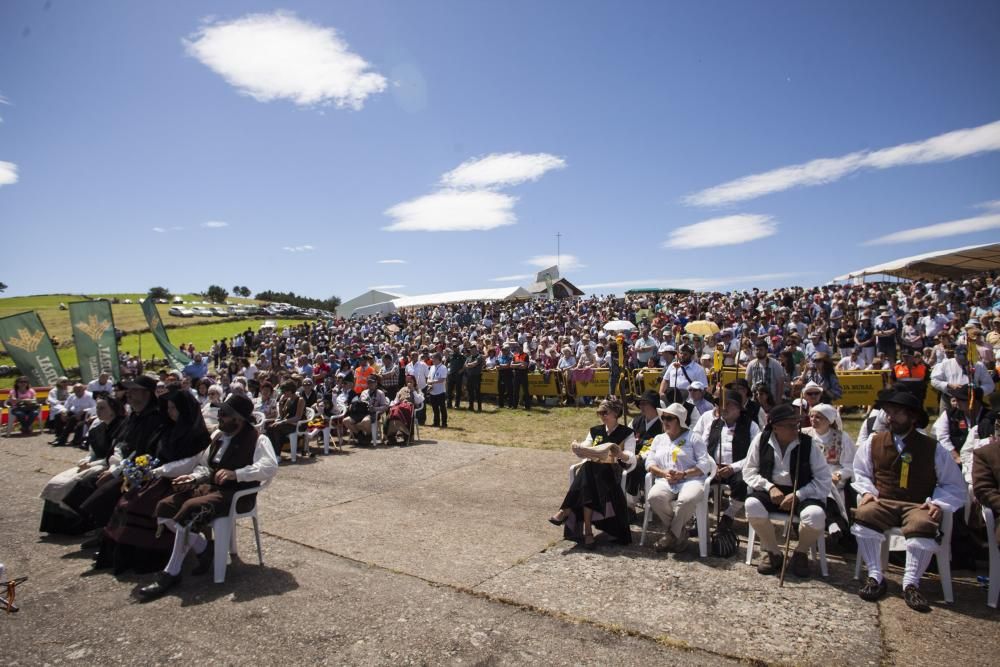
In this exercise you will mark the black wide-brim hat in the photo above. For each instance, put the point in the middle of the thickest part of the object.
(909, 401)
(650, 397)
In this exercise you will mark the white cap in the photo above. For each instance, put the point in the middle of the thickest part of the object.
(698, 385)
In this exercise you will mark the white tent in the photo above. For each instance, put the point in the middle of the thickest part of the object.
(492, 294)
(938, 265)
(370, 297)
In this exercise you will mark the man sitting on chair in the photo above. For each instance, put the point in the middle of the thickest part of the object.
(240, 458)
(727, 436)
(781, 458)
(904, 479)
(360, 422)
(986, 472)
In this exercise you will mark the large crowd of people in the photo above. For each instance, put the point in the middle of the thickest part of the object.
(771, 438)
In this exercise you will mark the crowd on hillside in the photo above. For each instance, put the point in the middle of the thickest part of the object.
(220, 424)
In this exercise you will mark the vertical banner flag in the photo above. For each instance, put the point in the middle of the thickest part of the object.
(177, 359)
(28, 343)
(94, 335)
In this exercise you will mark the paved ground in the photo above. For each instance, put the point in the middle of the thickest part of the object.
(440, 553)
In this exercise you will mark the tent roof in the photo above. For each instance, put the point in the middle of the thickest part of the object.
(942, 264)
(541, 287)
(492, 294)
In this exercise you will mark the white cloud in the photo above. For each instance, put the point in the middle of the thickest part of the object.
(391, 261)
(514, 278)
(993, 205)
(3, 100)
(501, 170)
(386, 286)
(979, 223)
(275, 56)
(942, 148)
(728, 230)
(565, 262)
(164, 230)
(697, 284)
(298, 248)
(8, 173)
(214, 224)
(159, 230)
(453, 211)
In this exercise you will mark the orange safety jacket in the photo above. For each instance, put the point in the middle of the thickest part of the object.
(904, 372)
(361, 378)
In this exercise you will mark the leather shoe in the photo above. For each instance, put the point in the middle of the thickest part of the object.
(164, 582)
(770, 563)
(206, 559)
(914, 600)
(873, 590)
(800, 565)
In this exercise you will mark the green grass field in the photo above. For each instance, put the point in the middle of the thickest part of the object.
(129, 318)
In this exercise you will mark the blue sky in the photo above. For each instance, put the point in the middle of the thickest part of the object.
(295, 146)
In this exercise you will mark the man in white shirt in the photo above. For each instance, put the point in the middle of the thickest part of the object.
(951, 374)
(682, 372)
(851, 362)
(779, 459)
(437, 379)
(418, 369)
(80, 407)
(728, 435)
(102, 385)
(904, 479)
(933, 323)
(239, 458)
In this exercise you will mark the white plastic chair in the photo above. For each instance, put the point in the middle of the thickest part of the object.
(942, 554)
(224, 532)
(701, 512)
(818, 549)
(11, 421)
(993, 594)
(301, 431)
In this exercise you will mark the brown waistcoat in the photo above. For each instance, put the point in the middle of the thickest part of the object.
(887, 465)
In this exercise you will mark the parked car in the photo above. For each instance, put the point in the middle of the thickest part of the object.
(127, 301)
(177, 311)
(221, 312)
(201, 311)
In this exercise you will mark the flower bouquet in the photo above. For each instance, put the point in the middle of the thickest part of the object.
(137, 471)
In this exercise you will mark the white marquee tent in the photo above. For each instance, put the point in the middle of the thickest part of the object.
(492, 294)
(939, 265)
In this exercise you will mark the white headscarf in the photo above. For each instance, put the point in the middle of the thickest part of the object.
(831, 413)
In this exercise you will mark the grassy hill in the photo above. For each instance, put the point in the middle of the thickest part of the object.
(129, 318)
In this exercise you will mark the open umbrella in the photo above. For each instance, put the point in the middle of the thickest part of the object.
(619, 325)
(702, 328)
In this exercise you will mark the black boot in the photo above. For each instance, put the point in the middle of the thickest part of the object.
(164, 582)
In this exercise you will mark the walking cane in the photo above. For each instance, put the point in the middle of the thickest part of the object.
(791, 510)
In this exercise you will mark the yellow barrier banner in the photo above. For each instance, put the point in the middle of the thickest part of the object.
(490, 382)
(539, 386)
(649, 379)
(598, 386)
(861, 387)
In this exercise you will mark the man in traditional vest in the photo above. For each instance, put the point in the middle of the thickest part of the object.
(728, 431)
(239, 458)
(781, 458)
(986, 472)
(908, 480)
(952, 426)
(646, 426)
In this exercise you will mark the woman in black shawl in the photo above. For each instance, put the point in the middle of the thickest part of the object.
(130, 540)
(64, 493)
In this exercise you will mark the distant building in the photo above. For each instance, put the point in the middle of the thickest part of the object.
(561, 288)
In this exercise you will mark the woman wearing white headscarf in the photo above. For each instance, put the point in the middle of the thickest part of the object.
(827, 432)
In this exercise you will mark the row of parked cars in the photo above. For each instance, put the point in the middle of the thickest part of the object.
(214, 311)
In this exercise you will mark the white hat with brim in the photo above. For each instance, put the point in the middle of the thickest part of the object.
(675, 410)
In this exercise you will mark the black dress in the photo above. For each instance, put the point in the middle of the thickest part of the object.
(65, 518)
(598, 486)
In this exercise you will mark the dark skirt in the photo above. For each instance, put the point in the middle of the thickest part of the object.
(598, 487)
(60, 520)
(130, 541)
(57, 520)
